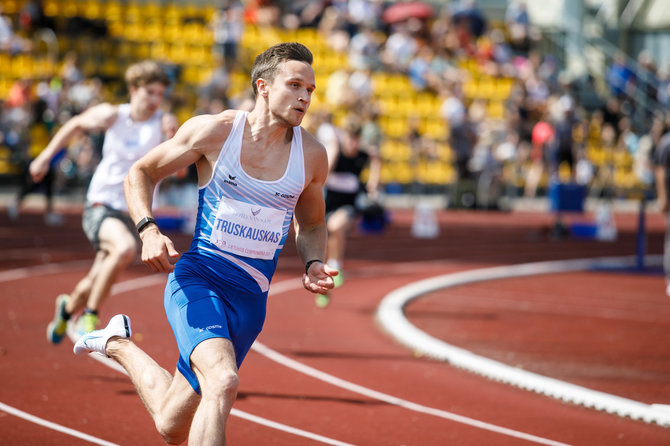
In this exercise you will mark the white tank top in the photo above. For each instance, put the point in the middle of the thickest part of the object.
(244, 221)
(126, 141)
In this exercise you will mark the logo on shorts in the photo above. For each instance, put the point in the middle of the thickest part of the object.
(209, 327)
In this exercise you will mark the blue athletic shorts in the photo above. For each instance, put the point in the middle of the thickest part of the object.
(200, 305)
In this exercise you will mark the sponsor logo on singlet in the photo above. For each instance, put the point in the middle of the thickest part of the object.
(279, 194)
(231, 180)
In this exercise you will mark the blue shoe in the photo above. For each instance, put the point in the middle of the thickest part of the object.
(96, 341)
(58, 326)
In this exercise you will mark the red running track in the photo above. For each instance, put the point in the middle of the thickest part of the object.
(356, 385)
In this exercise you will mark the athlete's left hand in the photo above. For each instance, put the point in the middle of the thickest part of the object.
(319, 278)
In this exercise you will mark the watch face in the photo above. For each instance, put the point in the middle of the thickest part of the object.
(145, 221)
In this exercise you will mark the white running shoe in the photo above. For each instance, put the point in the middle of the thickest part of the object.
(96, 341)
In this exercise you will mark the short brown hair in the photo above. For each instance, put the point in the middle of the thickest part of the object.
(266, 64)
(146, 72)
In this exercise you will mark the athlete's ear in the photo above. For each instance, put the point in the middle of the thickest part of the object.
(262, 87)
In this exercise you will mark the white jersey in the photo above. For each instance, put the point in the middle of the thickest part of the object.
(242, 221)
(126, 141)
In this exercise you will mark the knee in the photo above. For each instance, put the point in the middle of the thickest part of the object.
(336, 226)
(221, 384)
(124, 254)
(171, 434)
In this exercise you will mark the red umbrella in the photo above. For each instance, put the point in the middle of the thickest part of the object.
(404, 10)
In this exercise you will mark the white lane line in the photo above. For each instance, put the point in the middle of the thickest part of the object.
(285, 428)
(121, 287)
(292, 284)
(109, 362)
(391, 316)
(287, 285)
(347, 385)
(143, 282)
(57, 427)
(49, 268)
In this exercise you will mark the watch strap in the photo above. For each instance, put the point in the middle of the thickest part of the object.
(144, 222)
(308, 264)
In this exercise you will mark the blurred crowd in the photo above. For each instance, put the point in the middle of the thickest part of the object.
(544, 131)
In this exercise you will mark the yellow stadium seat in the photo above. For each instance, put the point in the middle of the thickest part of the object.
(134, 31)
(403, 173)
(5, 65)
(153, 30)
(22, 66)
(92, 10)
(178, 52)
(502, 88)
(159, 50)
(51, 8)
(199, 55)
(496, 109)
(69, 9)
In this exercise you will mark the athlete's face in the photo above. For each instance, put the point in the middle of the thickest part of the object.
(146, 99)
(290, 93)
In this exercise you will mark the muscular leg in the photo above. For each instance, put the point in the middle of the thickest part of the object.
(213, 362)
(120, 248)
(79, 296)
(171, 401)
(338, 223)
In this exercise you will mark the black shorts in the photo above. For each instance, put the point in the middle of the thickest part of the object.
(93, 217)
(339, 200)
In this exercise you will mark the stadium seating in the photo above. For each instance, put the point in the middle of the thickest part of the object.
(178, 33)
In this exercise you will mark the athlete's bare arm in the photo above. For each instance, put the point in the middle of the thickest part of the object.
(198, 141)
(310, 223)
(98, 117)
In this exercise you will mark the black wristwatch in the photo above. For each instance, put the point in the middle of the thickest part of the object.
(308, 264)
(146, 221)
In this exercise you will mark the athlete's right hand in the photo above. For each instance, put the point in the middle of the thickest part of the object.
(319, 278)
(158, 251)
(38, 169)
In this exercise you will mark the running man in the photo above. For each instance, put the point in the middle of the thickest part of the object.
(257, 171)
(131, 130)
(348, 156)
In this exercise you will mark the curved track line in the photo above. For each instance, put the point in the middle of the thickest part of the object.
(287, 285)
(109, 362)
(347, 385)
(57, 427)
(392, 318)
(285, 428)
(121, 287)
(50, 268)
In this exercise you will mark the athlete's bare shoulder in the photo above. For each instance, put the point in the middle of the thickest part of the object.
(207, 132)
(316, 157)
(99, 116)
(310, 143)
